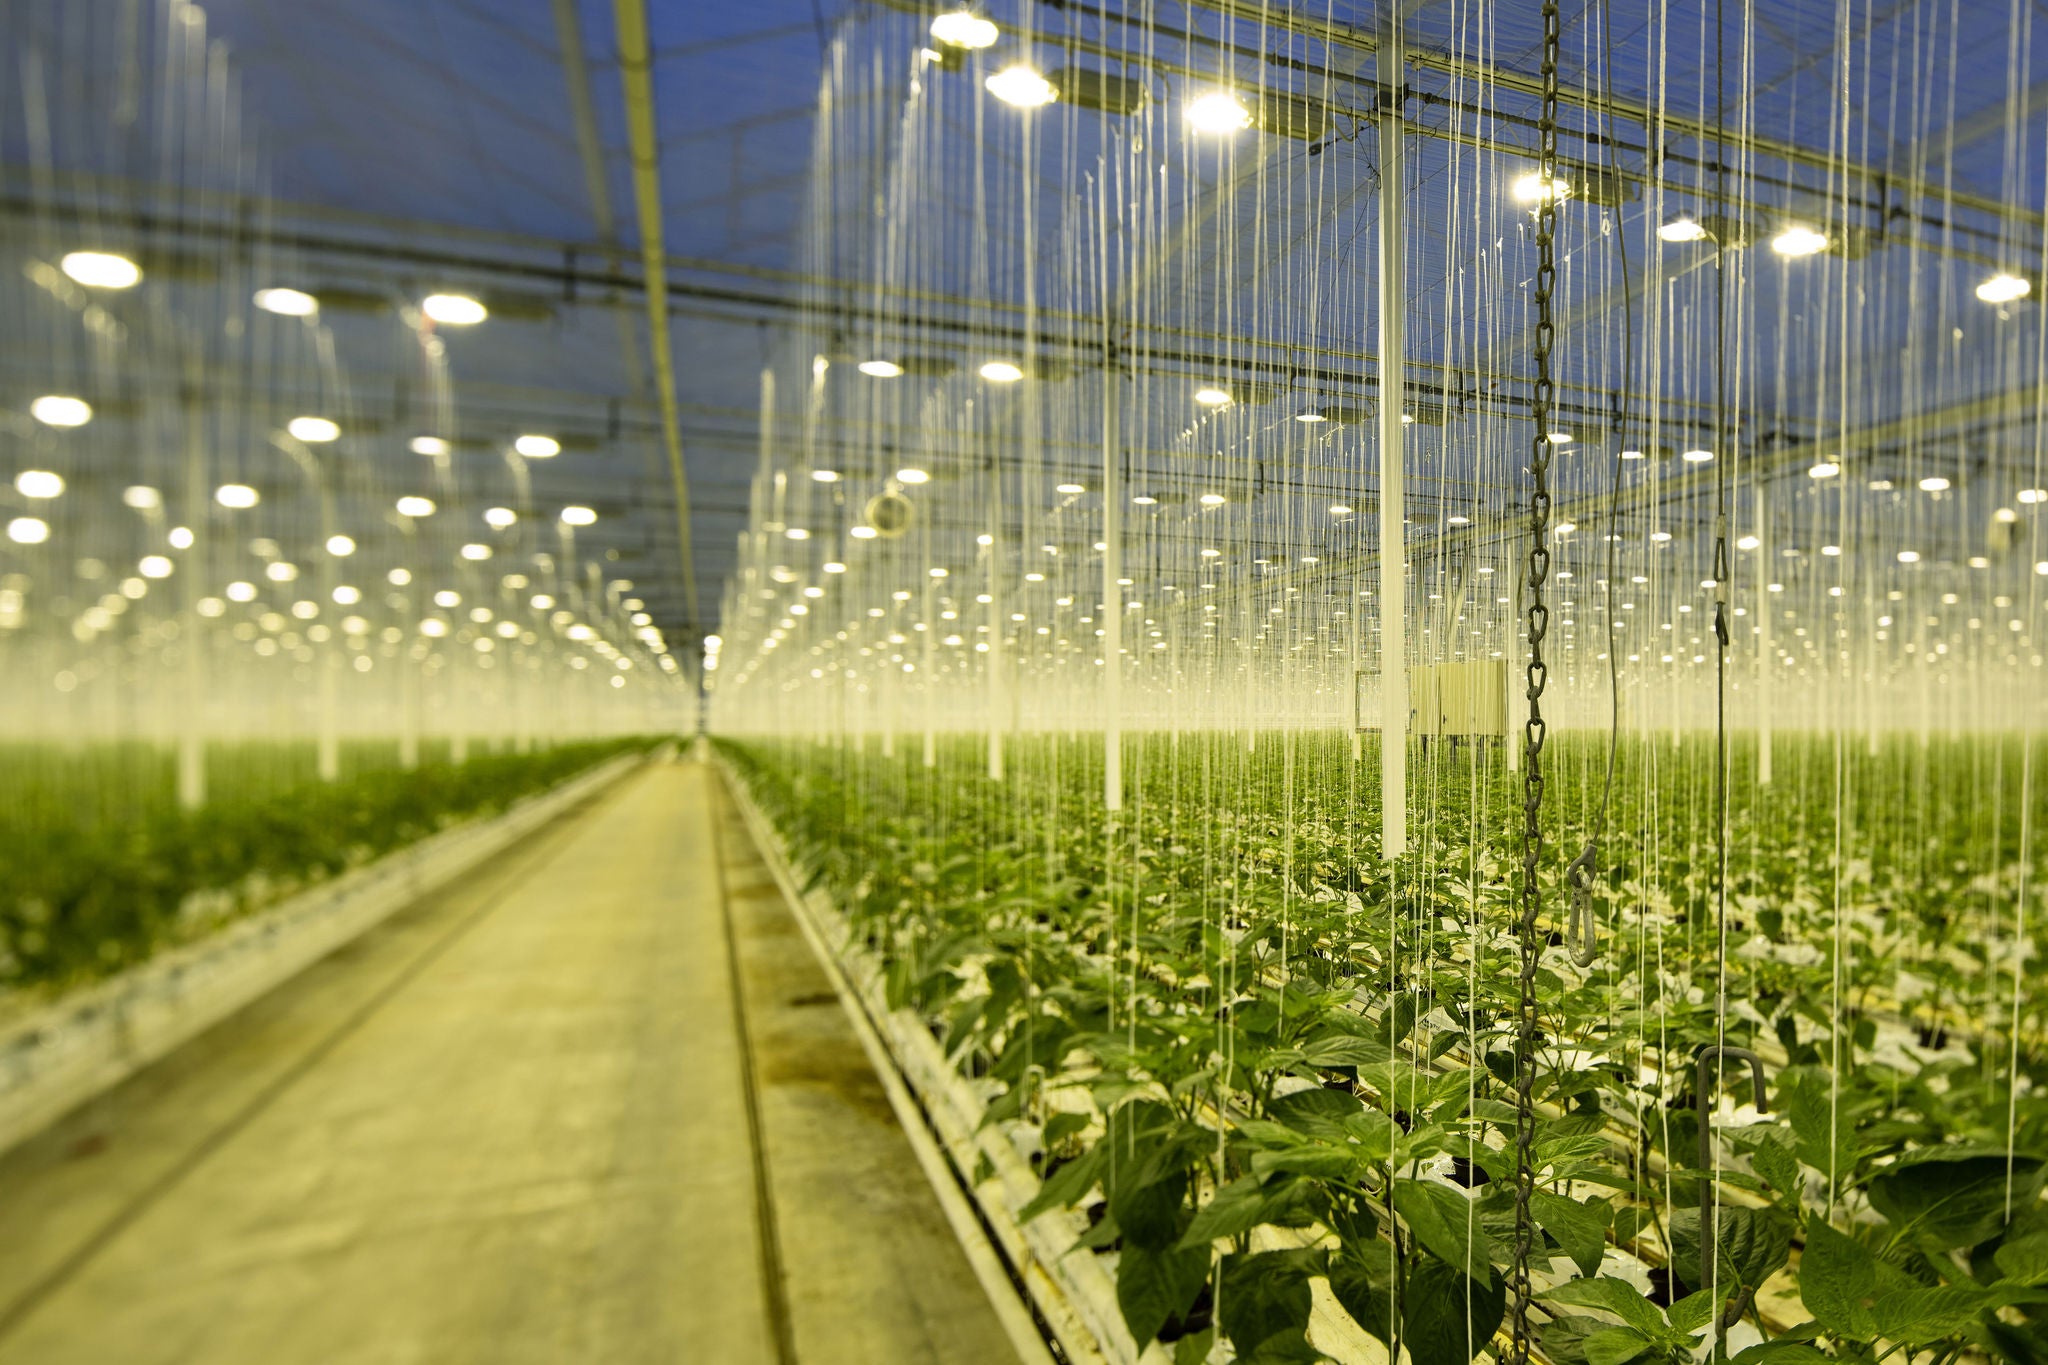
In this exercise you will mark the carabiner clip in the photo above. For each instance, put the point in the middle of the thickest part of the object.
(1581, 925)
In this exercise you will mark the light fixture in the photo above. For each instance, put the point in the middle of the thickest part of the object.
(142, 497)
(1565, 528)
(1825, 469)
(1697, 456)
(1529, 188)
(28, 530)
(1069, 488)
(1748, 543)
(537, 447)
(1212, 554)
(1001, 372)
(1909, 556)
(430, 445)
(1879, 485)
(415, 507)
(1682, 228)
(1561, 438)
(1934, 483)
(578, 516)
(1144, 500)
(447, 597)
(1338, 509)
(476, 553)
(278, 571)
(101, 269)
(1661, 537)
(1021, 87)
(313, 430)
(1831, 551)
(499, 518)
(239, 496)
(1310, 415)
(964, 28)
(241, 591)
(1458, 520)
(824, 476)
(60, 410)
(1797, 239)
(880, 369)
(38, 483)
(154, 566)
(1212, 397)
(2031, 496)
(863, 532)
(346, 596)
(340, 545)
(908, 475)
(290, 303)
(1218, 111)
(2005, 516)
(454, 310)
(1213, 500)
(1634, 455)
(797, 533)
(833, 566)
(2004, 288)
(433, 627)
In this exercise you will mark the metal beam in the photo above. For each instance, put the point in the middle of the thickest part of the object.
(637, 72)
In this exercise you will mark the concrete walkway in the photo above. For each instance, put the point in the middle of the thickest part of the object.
(512, 1125)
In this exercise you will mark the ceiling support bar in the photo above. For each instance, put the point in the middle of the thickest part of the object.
(636, 71)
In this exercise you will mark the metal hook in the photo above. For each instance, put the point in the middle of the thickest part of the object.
(1581, 925)
(1708, 1238)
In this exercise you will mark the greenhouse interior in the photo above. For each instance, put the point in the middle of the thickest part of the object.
(1115, 682)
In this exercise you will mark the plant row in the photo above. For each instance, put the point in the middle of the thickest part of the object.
(80, 900)
(1259, 1055)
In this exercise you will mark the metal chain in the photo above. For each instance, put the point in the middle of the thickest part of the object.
(1534, 729)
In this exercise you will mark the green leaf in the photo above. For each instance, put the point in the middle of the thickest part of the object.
(1615, 1296)
(1265, 1300)
(1345, 1049)
(1447, 1225)
(2024, 1261)
(1152, 1286)
(1853, 1294)
(1194, 1350)
(1150, 1214)
(1812, 1116)
(1238, 1207)
(1363, 1279)
(1320, 1160)
(1781, 1351)
(1691, 1313)
(1838, 1282)
(1774, 1161)
(1449, 1317)
(1953, 1196)
(1318, 1113)
(1399, 1018)
(1564, 1338)
(1918, 1316)
(1615, 1346)
(1062, 1126)
(1581, 1229)
(1068, 1185)
(1754, 1243)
